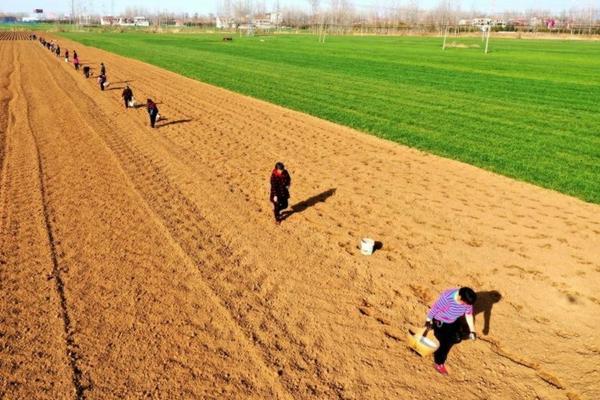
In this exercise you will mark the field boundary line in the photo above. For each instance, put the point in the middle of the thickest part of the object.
(4, 144)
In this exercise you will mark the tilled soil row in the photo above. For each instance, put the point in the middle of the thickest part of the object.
(8, 35)
(34, 356)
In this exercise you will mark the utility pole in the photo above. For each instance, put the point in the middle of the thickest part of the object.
(445, 35)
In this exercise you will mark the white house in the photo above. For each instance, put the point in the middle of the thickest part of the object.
(108, 20)
(482, 21)
(141, 21)
(135, 21)
(224, 22)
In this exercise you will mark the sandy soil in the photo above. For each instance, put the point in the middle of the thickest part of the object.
(139, 263)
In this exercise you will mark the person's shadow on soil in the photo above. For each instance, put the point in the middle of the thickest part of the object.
(303, 205)
(485, 302)
(177, 121)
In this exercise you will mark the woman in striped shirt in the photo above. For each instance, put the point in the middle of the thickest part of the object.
(448, 317)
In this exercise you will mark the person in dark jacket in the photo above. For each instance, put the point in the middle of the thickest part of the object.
(152, 111)
(102, 81)
(102, 69)
(57, 51)
(280, 190)
(86, 71)
(67, 55)
(127, 95)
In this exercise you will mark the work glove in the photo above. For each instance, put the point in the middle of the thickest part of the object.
(472, 336)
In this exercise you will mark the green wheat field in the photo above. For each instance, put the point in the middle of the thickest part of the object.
(530, 109)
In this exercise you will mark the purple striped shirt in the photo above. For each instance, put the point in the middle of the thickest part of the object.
(446, 309)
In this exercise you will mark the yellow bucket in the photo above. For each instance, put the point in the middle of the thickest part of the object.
(419, 342)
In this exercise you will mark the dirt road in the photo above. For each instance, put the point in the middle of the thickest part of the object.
(140, 263)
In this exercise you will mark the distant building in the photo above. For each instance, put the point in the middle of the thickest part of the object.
(267, 21)
(7, 19)
(225, 23)
(481, 22)
(109, 21)
(263, 21)
(535, 21)
(498, 22)
(135, 21)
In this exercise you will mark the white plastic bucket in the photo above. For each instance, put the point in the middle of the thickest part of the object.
(366, 246)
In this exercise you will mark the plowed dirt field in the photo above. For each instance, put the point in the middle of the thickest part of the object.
(139, 263)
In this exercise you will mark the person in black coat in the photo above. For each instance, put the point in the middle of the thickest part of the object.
(280, 190)
(102, 81)
(152, 111)
(127, 95)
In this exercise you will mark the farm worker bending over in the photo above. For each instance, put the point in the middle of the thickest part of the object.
(86, 71)
(448, 317)
(127, 95)
(280, 186)
(152, 111)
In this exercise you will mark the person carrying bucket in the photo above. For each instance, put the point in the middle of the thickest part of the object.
(152, 109)
(127, 96)
(102, 81)
(451, 318)
(280, 190)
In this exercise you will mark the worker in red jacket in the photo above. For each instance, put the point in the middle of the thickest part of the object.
(152, 111)
(280, 190)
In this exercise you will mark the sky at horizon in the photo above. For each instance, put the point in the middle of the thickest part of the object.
(210, 6)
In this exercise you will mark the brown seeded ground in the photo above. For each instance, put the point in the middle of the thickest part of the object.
(139, 263)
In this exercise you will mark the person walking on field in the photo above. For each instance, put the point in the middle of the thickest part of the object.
(66, 55)
(127, 96)
(102, 69)
(76, 61)
(451, 318)
(86, 71)
(152, 111)
(280, 190)
(102, 81)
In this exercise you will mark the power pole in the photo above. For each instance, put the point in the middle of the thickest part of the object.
(445, 36)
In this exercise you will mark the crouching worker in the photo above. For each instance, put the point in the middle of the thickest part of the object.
(280, 190)
(152, 111)
(86, 71)
(127, 96)
(451, 318)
